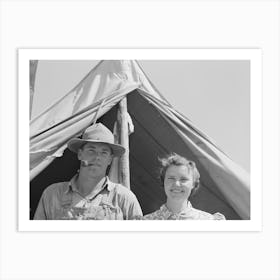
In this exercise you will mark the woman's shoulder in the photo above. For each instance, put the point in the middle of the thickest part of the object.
(219, 216)
(203, 215)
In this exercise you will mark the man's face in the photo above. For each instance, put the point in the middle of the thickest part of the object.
(178, 182)
(98, 155)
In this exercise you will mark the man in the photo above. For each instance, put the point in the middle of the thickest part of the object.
(90, 194)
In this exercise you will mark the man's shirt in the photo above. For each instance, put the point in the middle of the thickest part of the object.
(108, 201)
(188, 213)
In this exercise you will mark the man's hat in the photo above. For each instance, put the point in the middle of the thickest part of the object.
(97, 133)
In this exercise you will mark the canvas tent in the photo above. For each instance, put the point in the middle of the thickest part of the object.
(158, 129)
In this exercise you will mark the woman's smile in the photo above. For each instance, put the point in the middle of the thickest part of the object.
(176, 190)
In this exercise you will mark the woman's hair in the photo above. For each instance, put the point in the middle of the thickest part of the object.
(177, 160)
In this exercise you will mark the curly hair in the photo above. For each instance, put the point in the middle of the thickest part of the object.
(177, 160)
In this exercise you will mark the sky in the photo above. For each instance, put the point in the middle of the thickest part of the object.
(214, 95)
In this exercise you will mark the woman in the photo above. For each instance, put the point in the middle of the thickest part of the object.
(180, 179)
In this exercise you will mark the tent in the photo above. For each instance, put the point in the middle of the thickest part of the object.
(158, 129)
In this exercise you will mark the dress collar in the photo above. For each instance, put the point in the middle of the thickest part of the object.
(167, 213)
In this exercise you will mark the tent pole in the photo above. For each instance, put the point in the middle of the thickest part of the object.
(32, 73)
(124, 175)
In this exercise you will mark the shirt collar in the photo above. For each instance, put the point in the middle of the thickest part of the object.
(110, 184)
(72, 185)
(167, 213)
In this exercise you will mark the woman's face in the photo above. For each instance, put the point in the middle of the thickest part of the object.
(178, 182)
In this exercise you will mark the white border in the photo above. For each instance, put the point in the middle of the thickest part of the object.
(254, 55)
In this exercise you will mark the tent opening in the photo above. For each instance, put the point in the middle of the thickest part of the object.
(147, 143)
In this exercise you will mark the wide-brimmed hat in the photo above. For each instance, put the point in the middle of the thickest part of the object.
(96, 133)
